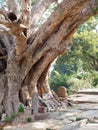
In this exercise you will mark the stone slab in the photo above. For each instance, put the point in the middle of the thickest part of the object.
(84, 98)
(89, 127)
(88, 91)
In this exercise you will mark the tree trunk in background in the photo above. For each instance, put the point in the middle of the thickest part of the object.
(29, 58)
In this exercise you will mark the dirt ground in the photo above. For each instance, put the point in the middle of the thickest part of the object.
(83, 115)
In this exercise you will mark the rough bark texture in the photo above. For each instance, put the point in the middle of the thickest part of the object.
(27, 59)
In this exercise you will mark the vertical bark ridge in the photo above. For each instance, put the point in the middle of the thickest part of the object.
(42, 85)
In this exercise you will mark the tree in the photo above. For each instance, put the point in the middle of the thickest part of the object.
(26, 53)
(79, 56)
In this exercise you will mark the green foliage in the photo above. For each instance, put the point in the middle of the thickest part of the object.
(89, 25)
(49, 129)
(21, 108)
(58, 80)
(79, 118)
(33, 2)
(96, 10)
(95, 81)
(80, 50)
(29, 119)
(14, 115)
(77, 84)
(8, 119)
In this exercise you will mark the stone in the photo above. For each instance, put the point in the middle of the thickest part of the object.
(3, 117)
(62, 92)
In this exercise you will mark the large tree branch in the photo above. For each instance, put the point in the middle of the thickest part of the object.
(79, 17)
(89, 10)
(65, 14)
(63, 11)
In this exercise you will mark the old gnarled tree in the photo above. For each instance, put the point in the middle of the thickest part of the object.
(26, 54)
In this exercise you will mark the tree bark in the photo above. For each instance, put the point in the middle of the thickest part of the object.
(13, 85)
(29, 58)
(42, 85)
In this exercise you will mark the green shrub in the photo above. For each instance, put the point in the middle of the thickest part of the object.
(57, 81)
(29, 119)
(15, 114)
(48, 129)
(95, 81)
(77, 84)
(8, 119)
(21, 108)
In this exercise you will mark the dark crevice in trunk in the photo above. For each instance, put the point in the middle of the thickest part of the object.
(3, 53)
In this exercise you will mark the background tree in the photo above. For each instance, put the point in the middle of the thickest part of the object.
(81, 60)
(29, 50)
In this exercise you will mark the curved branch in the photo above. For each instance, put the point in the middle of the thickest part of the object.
(63, 11)
(63, 18)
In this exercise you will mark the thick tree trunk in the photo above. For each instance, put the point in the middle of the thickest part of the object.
(13, 85)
